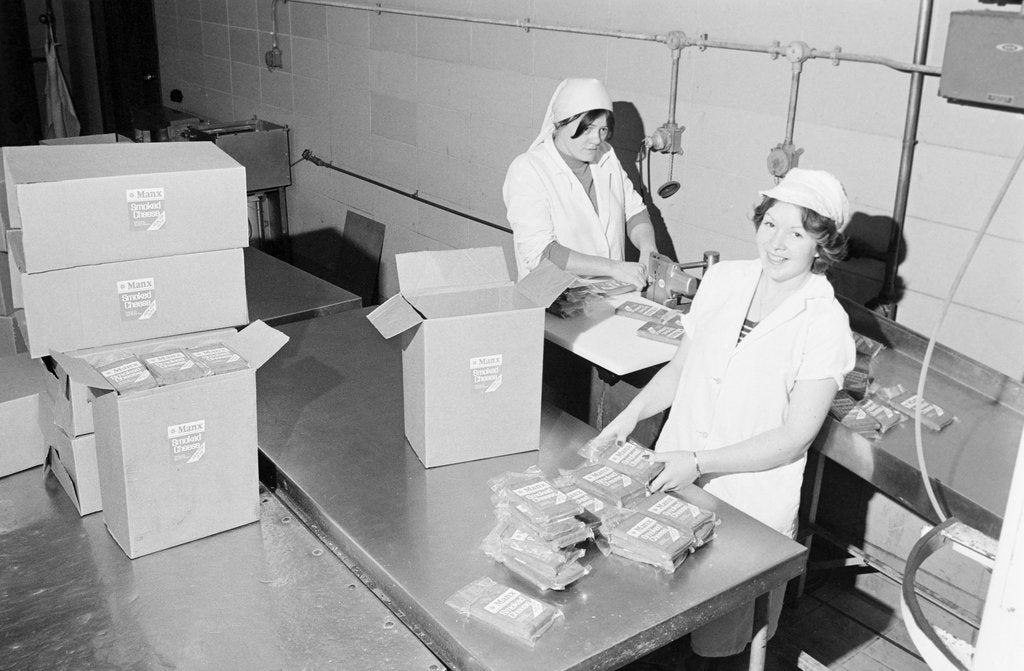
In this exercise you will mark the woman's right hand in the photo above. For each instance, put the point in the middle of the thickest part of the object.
(631, 273)
(617, 430)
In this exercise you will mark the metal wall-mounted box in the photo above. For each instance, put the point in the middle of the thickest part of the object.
(984, 59)
(260, 146)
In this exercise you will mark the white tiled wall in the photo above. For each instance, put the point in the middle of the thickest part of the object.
(441, 107)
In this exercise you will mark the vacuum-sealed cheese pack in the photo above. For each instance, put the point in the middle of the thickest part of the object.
(506, 609)
(932, 416)
(218, 358)
(681, 514)
(609, 484)
(630, 458)
(643, 538)
(172, 365)
(534, 496)
(127, 374)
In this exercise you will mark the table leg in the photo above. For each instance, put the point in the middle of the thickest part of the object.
(759, 642)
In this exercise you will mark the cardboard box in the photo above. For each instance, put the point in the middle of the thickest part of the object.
(178, 463)
(6, 291)
(73, 462)
(72, 400)
(10, 269)
(25, 412)
(103, 138)
(76, 205)
(4, 224)
(472, 352)
(11, 340)
(93, 306)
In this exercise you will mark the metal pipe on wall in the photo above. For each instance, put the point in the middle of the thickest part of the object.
(888, 295)
(835, 55)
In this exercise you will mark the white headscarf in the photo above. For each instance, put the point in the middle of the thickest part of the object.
(814, 189)
(572, 97)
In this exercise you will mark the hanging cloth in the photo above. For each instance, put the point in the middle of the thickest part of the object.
(61, 120)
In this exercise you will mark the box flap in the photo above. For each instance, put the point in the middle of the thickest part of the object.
(394, 316)
(545, 283)
(433, 272)
(81, 371)
(257, 342)
(16, 248)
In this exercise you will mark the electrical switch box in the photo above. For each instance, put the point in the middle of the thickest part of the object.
(984, 59)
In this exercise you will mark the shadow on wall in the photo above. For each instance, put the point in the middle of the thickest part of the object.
(861, 276)
(629, 133)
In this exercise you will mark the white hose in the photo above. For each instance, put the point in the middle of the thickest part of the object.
(938, 325)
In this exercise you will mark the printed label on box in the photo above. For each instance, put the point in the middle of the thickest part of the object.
(486, 372)
(138, 299)
(187, 441)
(146, 209)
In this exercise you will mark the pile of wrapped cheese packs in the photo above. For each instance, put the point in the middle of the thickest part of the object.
(128, 372)
(544, 526)
(870, 409)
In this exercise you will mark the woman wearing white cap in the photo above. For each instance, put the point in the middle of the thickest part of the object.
(568, 198)
(766, 348)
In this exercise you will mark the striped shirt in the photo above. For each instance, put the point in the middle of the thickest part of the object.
(747, 327)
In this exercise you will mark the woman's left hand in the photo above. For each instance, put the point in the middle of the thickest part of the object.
(680, 470)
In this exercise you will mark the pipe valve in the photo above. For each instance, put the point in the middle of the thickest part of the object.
(668, 138)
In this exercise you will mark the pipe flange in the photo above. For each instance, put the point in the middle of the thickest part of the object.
(675, 40)
(798, 52)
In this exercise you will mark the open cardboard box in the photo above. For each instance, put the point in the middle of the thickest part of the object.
(472, 352)
(72, 400)
(92, 306)
(85, 204)
(73, 462)
(25, 413)
(179, 462)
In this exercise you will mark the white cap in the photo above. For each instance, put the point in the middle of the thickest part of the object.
(572, 97)
(816, 190)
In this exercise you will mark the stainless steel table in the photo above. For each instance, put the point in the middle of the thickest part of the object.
(268, 595)
(278, 292)
(330, 415)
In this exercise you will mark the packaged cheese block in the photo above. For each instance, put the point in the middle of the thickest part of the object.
(866, 345)
(542, 579)
(594, 508)
(644, 312)
(127, 374)
(559, 534)
(505, 609)
(842, 404)
(681, 514)
(884, 415)
(859, 421)
(508, 537)
(665, 333)
(643, 538)
(218, 358)
(611, 287)
(631, 458)
(608, 484)
(173, 365)
(539, 500)
(932, 416)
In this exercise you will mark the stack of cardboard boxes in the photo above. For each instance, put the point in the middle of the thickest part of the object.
(118, 249)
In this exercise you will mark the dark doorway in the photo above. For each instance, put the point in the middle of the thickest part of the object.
(19, 112)
(128, 67)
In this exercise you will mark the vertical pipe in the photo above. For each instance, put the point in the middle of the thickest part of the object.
(888, 296)
(674, 86)
(794, 90)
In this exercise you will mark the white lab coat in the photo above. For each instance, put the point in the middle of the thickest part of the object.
(729, 392)
(546, 203)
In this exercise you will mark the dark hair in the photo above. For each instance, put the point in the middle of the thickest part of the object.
(587, 119)
(831, 243)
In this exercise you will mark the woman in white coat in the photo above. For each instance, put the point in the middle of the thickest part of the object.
(569, 200)
(766, 348)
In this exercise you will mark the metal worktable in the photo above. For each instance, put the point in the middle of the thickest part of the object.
(278, 292)
(268, 595)
(330, 423)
